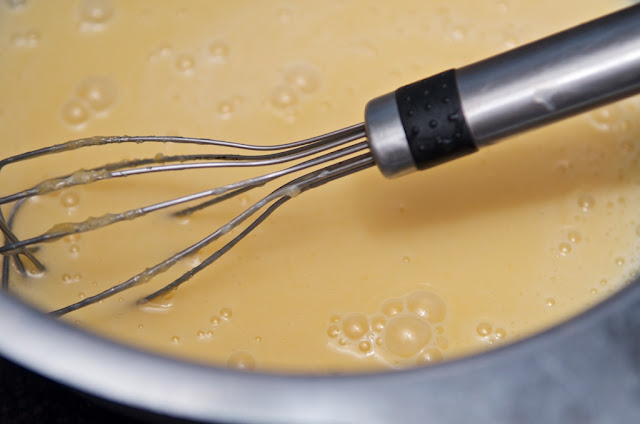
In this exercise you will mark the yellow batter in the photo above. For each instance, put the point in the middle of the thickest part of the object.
(363, 273)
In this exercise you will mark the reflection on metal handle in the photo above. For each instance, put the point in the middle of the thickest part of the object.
(561, 75)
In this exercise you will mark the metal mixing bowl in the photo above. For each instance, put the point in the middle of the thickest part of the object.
(586, 370)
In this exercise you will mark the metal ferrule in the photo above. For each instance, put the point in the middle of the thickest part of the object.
(387, 137)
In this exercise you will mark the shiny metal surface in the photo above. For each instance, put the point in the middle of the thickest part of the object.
(586, 370)
(560, 75)
(386, 136)
(323, 159)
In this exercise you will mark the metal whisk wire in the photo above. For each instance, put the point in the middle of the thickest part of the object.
(420, 125)
(336, 149)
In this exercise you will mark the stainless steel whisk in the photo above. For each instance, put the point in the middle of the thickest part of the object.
(420, 125)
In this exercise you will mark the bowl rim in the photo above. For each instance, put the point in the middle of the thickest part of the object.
(548, 367)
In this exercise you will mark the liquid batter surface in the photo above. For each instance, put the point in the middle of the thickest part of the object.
(363, 273)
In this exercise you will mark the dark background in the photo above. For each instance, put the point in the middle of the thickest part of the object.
(27, 398)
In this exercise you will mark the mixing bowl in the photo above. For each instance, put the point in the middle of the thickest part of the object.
(585, 370)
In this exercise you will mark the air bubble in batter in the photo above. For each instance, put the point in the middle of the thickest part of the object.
(355, 326)
(364, 346)
(333, 331)
(69, 200)
(429, 357)
(241, 360)
(427, 305)
(305, 78)
(95, 14)
(99, 92)
(29, 38)
(483, 329)
(586, 202)
(564, 249)
(392, 307)
(283, 97)
(406, 334)
(378, 323)
(601, 119)
(185, 63)
(574, 237)
(225, 109)
(218, 52)
(75, 113)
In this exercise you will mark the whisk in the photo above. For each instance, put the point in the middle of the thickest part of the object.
(420, 125)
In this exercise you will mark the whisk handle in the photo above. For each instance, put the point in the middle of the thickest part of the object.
(456, 112)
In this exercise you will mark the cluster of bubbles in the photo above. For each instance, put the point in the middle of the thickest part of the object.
(451, 26)
(610, 119)
(490, 335)
(95, 14)
(217, 52)
(69, 201)
(565, 247)
(240, 359)
(296, 82)
(16, 4)
(93, 96)
(26, 39)
(74, 247)
(586, 202)
(406, 331)
(223, 316)
(165, 302)
(68, 278)
(185, 63)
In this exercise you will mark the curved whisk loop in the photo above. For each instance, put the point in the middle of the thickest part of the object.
(276, 199)
(6, 225)
(325, 158)
(283, 153)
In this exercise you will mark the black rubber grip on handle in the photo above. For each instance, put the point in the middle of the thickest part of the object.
(433, 120)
